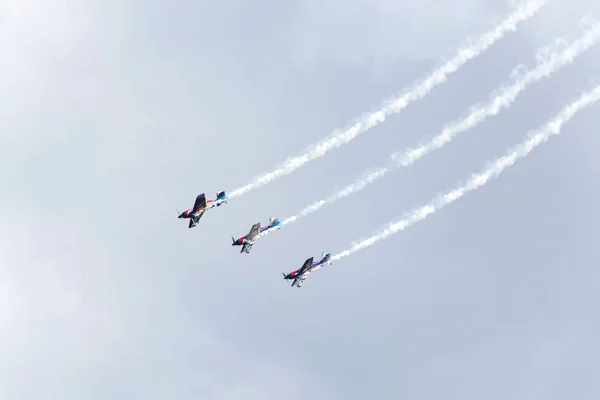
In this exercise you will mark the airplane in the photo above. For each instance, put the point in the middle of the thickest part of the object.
(200, 206)
(255, 233)
(309, 266)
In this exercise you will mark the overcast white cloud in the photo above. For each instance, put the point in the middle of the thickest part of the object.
(114, 114)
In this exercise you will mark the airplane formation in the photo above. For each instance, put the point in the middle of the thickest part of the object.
(549, 60)
(201, 205)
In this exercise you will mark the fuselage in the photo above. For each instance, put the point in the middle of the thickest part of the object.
(322, 261)
(267, 228)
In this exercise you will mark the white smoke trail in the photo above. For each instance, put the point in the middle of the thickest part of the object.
(548, 63)
(394, 106)
(478, 180)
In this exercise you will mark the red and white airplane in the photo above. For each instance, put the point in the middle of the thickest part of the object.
(200, 206)
(256, 232)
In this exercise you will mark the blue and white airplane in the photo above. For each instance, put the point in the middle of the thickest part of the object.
(309, 266)
(256, 232)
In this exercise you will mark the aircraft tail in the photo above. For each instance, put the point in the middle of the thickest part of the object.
(221, 195)
(273, 221)
(233, 240)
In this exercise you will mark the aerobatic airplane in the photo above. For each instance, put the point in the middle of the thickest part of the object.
(255, 233)
(200, 206)
(309, 266)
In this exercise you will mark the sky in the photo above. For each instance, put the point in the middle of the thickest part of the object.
(115, 114)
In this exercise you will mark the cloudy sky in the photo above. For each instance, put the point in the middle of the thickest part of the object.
(113, 114)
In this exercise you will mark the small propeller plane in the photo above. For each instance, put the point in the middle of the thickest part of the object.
(309, 266)
(255, 233)
(200, 206)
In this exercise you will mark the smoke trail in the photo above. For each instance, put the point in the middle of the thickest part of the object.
(478, 180)
(372, 119)
(547, 65)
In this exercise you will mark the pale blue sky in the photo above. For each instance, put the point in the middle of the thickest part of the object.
(115, 114)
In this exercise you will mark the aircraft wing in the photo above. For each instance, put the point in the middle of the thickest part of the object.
(307, 265)
(246, 248)
(194, 220)
(200, 203)
(299, 281)
(254, 231)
